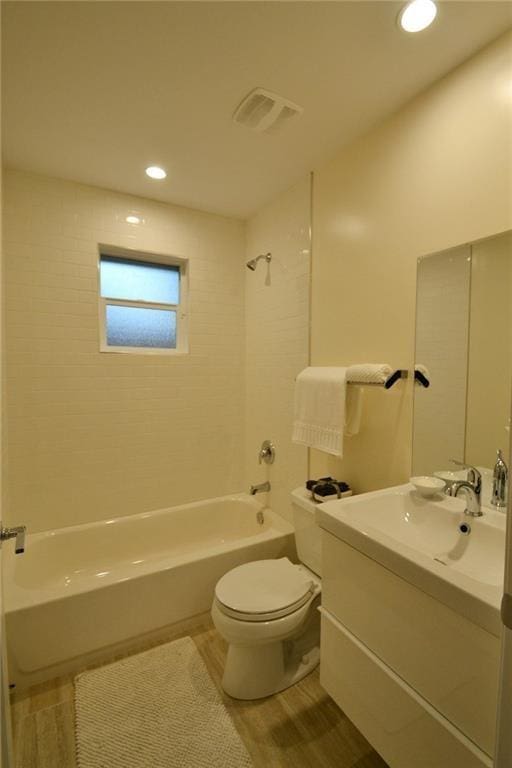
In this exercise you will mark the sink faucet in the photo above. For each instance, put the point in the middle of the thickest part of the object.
(474, 476)
(261, 488)
(473, 496)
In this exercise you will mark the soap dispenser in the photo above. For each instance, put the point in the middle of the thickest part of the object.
(499, 483)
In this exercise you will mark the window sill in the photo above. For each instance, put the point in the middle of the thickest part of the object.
(144, 351)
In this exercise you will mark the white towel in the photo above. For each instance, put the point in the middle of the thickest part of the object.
(353, 410)
(320, 409)
(369, 373)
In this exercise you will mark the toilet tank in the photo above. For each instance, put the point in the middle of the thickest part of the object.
(307, 532)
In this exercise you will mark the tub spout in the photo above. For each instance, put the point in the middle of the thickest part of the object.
(261, 488)
(17, 533)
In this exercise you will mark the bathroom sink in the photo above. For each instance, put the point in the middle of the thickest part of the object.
(429, 542)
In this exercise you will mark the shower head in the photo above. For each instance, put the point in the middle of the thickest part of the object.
(253, 262)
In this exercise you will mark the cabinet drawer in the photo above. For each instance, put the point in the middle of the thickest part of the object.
(399, 724)
(449, 661)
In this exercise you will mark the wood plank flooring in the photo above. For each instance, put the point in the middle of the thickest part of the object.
(300, 727)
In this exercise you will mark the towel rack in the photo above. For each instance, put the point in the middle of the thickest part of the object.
(401, 373)
(387, 384)
(420, 378)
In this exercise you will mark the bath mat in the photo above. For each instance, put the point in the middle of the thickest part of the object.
(159, 709)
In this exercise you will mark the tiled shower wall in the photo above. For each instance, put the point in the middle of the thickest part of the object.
(277, 333)
(93, 435)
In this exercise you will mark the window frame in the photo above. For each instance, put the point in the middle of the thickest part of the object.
(181, 309)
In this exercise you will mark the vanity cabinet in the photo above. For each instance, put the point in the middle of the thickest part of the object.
(418, 679)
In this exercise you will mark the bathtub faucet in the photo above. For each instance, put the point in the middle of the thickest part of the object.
(261, 488)
(17, 533)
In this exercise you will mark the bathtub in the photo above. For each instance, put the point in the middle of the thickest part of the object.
(82, 590)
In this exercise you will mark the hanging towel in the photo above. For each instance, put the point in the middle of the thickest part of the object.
(319, 415)
(353, 410)
(369, 373)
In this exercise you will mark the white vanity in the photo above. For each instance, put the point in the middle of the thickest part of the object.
(411, 626)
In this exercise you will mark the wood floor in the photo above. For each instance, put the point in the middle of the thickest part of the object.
(300, 727)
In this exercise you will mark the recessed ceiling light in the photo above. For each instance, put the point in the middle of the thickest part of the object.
(133, 219)
(417, 15)
(154, 172)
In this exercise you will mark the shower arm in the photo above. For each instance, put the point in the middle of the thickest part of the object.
(253, 262)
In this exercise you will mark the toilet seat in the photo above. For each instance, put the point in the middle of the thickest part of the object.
(264, 590)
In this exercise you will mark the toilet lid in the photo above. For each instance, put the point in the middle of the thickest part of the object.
(265, 587)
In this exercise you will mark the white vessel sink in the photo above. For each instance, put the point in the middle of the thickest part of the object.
(430, 542)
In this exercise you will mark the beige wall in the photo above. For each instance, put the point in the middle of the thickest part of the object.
(490, 350)
(90, 434)
(435, 175)
(277, 334)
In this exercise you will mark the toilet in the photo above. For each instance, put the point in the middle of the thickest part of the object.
(266, 610)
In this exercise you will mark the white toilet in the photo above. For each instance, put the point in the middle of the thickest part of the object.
(267, 611)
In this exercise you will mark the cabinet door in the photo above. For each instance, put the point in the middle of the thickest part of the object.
(397, 722)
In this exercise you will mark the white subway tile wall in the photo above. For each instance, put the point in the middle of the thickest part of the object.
(94, 435)
(277, 333)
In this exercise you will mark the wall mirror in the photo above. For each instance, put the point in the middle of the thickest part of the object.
(464, 341)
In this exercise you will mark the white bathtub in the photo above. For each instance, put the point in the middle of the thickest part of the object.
(81, 590)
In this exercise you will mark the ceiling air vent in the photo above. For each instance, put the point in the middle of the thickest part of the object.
(262, 110)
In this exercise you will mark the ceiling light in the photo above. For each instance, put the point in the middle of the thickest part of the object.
(154, 172)
(133, 219)
(417, 15)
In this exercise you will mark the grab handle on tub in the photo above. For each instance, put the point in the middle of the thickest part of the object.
(17, 533)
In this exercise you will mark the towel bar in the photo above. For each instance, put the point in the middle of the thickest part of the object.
(401, 373)
(420, 378)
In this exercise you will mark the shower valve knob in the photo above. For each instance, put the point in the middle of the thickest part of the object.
(267, 452)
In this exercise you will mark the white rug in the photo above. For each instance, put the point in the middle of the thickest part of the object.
(159, 709)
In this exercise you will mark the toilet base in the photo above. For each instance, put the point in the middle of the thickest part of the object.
(253, 672)
(256, 671)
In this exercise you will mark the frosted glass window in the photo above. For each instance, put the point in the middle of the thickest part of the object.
(140, 327)
(143, 304)
(139, 281)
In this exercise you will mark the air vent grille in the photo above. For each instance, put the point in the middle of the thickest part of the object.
(262, 111)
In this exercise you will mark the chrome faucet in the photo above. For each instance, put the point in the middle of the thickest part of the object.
(474, 476)
(261, 488)
(473, 496)
(472, 486)
(17, 533)
(499, 483)
(267, 452)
